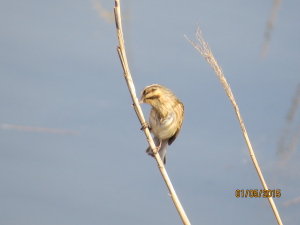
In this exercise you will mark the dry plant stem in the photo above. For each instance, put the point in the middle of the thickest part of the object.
(270, 27)
(139, 113)
(205, 51)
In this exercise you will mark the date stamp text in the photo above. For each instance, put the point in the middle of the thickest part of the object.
(257, 193)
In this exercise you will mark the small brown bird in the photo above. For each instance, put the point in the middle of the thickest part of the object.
(165, 117)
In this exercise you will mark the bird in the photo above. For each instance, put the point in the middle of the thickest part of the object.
(165, 118)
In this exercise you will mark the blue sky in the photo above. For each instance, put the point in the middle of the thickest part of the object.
(60, 70)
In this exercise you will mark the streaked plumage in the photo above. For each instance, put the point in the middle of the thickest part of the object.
(165, 117)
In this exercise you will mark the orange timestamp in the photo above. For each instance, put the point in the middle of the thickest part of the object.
(258, 193)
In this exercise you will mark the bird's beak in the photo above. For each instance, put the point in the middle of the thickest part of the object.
(141, 100)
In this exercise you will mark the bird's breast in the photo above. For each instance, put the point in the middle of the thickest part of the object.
(163, 128)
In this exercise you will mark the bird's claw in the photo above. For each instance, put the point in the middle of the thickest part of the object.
(156, 150)
(150, 152)
(145, 125)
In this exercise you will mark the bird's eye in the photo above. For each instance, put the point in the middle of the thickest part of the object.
(153, 97)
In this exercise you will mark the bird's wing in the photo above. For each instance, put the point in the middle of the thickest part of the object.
(171, 139)
(180, 114)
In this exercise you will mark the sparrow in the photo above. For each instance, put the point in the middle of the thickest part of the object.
(166, 116)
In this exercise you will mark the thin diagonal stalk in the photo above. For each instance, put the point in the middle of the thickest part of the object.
(139, 113)
(205, 51)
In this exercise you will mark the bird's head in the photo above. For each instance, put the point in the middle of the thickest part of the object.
(152, 95)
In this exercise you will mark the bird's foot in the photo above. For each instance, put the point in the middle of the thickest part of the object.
(156, 150)
(145, 125)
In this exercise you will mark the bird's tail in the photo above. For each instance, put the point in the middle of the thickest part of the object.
(162, 151)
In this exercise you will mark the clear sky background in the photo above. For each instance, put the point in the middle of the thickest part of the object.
(84, 160)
